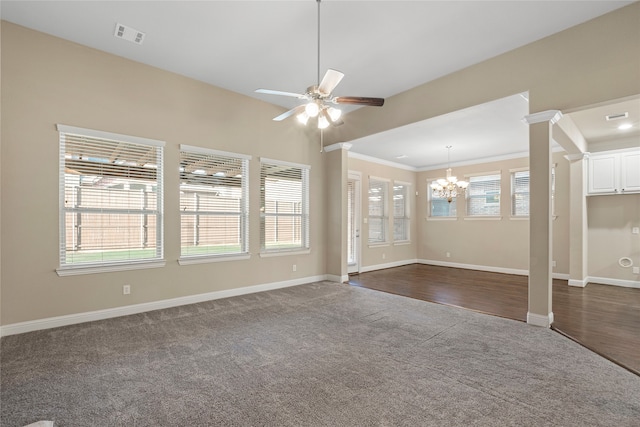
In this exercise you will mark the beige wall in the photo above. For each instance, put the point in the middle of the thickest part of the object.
(610, 220)
(502, 244)
(583, 65)
(45, 81)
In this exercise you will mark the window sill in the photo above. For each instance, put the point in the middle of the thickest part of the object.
(208, 259)
(519, 218)
(95, 269)
(285, 253)
(402, 243)
(378, 245)
(482, 218)
(441, 218)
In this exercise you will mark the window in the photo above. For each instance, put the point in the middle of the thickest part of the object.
(483, 195)
(110, 199)
(214, 206)
(401, 211)
(520, 197)
(284, 206)
(378, 216)
(440, 206)
(520, 193)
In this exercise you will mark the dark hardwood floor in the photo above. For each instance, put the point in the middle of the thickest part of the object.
(605, 319)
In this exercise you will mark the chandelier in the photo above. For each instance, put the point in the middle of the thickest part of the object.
(449, 187)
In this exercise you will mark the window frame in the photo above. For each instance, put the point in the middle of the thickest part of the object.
(430, 199)
(65, 133)
(406, 217)
(514, 192)
(469, 197)
(201, 154)
(305, 223)
(384, 216)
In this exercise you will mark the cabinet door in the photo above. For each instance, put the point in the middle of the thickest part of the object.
(603, 174)
(630, 172)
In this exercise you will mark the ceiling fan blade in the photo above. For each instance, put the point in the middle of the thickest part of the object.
(330, 81)
(279, 92)
(358, 100)
(296, 110)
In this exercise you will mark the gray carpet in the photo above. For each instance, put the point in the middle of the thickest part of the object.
(324, 354)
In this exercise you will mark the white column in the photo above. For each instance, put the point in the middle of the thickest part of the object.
(336, 167)
(540, 217)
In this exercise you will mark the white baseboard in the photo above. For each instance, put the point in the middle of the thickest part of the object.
(336, 278)
(578, 283)
(614, 282)
(72, 319)
(540, 320)
(388, 265)
(475, 267)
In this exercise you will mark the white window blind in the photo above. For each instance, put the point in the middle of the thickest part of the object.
(520, 193)
(440, 206)
(284, 206)
(483, 195)
(214, 207)
(378, 214)
(401, 212)
(110, 198)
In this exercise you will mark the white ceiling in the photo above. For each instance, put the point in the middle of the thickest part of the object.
(383, 47)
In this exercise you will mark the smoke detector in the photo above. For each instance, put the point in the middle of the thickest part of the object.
(128, 33)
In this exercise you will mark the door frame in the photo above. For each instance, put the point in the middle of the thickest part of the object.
(356, 177)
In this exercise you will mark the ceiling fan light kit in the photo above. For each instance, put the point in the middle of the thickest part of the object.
(319, 96)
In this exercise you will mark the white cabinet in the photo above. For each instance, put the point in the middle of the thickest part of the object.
(614, 172)
(630, 172)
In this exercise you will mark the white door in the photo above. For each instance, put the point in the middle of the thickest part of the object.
(353, 223)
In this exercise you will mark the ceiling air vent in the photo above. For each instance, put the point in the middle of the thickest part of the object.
(617, 116)
(128, 33)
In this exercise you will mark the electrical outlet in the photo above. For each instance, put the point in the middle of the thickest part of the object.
(126, 289)
(295, 267)
(636, 270)
(384, 256)
(448, 254)
(635, 230)
(553, 263)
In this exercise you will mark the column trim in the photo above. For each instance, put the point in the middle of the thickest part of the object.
(540, 320)
(576, 157)
(551, 116)
(338, 146)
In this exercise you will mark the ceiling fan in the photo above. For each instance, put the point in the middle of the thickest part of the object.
(319, 97)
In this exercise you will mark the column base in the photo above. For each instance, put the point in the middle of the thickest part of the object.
(540, 320)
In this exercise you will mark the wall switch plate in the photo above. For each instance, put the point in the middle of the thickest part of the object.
(126, 289)
(295, 267)
(635, 230)
(636, 270)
